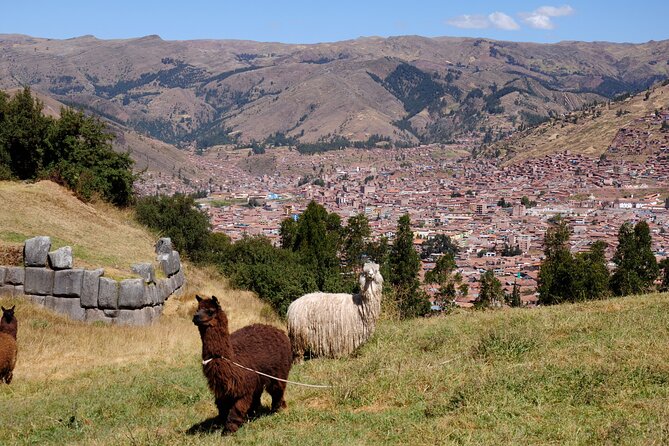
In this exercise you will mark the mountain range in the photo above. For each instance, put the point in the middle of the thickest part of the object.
(407, 89)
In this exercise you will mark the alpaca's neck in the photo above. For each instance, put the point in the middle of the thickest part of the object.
(371, 300)
(216, 342)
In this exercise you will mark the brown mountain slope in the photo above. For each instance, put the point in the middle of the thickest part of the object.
(148, 153)
(630, 128)
(408, 88)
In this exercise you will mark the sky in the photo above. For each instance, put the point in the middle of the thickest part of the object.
(316, 21)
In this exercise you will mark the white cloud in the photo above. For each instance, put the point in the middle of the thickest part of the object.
(540, 18)
(502, 21)
(497, 20)
(470, 21)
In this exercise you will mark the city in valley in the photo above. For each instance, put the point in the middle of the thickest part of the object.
(482, 205)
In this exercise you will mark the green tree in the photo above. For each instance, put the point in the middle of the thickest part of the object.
(590, 276)
(355, 241)
(439, 244)
(636, 267)
(317, 240)
(664, 265)
(555, 274)
(491, 294)
(178, 218)
(288, 231)
(514, 299)
(448, 282)
(405, 265)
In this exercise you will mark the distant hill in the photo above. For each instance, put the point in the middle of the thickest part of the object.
(629, 128)
(147, 152)
(410, 89)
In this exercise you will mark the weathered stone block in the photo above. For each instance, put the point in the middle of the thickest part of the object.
(180, 278)
(15, 275)
(3, 270)
(38, 300)
(96, 315)
(164, 246)
(89, 288)
(131, 294)
(68, 306)
(108, 294)
(163, 288)
(171, 263)
(61, 258)
(67, 283)
(19, 291)
(35, 251)
(38, 281)
(7, 290)
(151, 294)
(145, 271)
(142, 316)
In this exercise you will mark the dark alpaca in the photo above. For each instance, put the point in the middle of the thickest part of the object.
(8, 348)
(8, 322)
(260, 347)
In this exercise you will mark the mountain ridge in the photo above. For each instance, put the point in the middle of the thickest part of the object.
(410, 89)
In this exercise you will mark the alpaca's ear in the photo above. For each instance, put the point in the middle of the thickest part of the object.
(215, 301)
(3, 309)
(13, 306)
(198, 298)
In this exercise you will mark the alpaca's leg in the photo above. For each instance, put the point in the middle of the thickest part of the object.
(276, 389)
(255, 405)
(238, 413)
(9, 377)
(224, 405)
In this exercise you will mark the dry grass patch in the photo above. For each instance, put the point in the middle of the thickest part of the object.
(100, 234)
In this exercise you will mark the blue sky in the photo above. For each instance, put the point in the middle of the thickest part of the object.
(313, 21)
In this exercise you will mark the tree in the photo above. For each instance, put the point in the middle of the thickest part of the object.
(439, 244)
(525, 201)
(355, 241)
(449, 283)
(554, 281)
(178, 218)
(405, 265)
(491, 294)
(514, 299)
(636, 267)
(664, 265)
(317, 238)
(590, 276)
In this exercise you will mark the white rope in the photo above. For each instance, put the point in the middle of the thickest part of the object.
(319, 386)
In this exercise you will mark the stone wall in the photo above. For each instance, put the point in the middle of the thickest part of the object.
(48, 278)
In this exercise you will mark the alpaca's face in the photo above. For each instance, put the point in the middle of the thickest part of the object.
(8, 314)
(209, 313)
(370, 272)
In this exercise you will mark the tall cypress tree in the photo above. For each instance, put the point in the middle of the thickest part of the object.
(405, 265)
(636, 267)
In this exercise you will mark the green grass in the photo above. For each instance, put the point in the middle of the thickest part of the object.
(595, 373)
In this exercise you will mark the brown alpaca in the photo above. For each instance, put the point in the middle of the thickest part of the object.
(8, 322)
(259, 347)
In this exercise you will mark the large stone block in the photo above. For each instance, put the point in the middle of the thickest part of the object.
(145, 271)
(164, 246)
(15, 275)
(108, 294)
(151, 294)
(38, 281)
(36, 250)
(171, 263)
(89, 288)
(61, 258)
(142, 316)
(180, 278)
(19, 291)
(67, 283)
(131, 294)
(68, 306)
(96, 315)
(163, 288)
(7, 290)
(38, 300)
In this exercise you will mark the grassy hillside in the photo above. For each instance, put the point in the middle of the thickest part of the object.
(593, 373)
(576, 374)
(591, 133)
